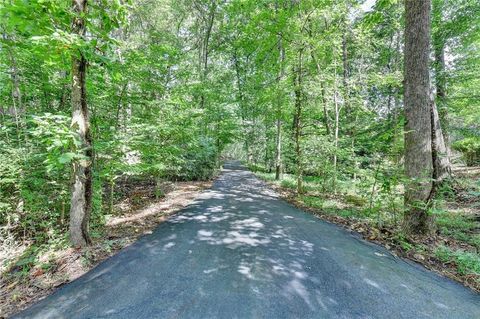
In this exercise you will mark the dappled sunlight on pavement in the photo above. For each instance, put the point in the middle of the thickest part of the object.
(238, 251)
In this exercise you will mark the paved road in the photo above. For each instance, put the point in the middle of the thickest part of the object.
(241, 252)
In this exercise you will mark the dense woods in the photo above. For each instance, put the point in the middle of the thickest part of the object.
(369, 110)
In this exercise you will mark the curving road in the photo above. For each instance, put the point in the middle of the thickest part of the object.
(241, 252)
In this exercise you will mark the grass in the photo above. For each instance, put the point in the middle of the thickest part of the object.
(331, 206)
(462, 227)
(467, 263)
(344, 203)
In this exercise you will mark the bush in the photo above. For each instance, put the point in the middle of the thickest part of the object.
(200, 162)
(466, 262)
(470, 148)
(35, 179)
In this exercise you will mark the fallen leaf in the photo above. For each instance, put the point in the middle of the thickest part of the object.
(13, 284)
(37, 272)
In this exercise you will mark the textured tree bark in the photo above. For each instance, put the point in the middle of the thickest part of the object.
(439, 113)
(440, 153)
(442, 116)
(81, 201)
(418, 133)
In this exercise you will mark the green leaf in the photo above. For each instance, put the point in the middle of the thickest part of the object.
(66, 158)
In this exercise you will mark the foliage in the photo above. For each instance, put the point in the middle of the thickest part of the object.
(146, 117)
(470, 148)
(174, 86)
(467, 263)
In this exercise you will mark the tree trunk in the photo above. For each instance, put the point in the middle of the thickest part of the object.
(346, 97)
(278, 140)
(346, 92)
(16, 92)
(325, 110)
(278, 150)
(336, 129)
(441, 94)
(418, 134)
(441, 157)
(81, 202)
(335, 137)
(297, 121)
(204, 51)
(323, 94)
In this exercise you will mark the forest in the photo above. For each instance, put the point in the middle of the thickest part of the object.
(365, 112)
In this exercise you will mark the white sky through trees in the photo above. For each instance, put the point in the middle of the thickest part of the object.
(368, 5)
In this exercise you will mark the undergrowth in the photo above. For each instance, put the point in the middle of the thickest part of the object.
(379, 204)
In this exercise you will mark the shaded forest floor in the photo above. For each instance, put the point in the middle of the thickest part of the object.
(454, 249)
(35, 272)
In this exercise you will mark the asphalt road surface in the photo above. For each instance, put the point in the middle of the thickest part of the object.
(239, 251)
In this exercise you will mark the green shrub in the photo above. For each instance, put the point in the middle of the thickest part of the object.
(289, 183)
(355, 200)
(466, 262)
(470, 148)
(200, 162)
(35, 180)
(313, 201)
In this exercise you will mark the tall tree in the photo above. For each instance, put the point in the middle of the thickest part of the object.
(207, 19)
(81, 202)
(278, 136)
(297, 119)
(418, 134)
